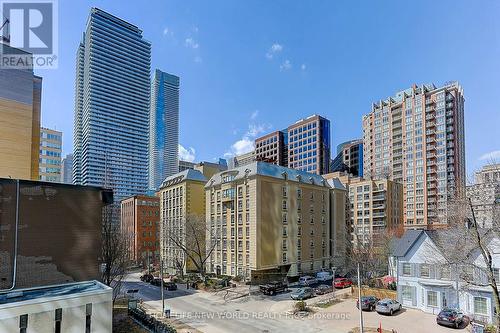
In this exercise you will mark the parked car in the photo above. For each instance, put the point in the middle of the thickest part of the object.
(156, 282)
(171, 286)
(450, 317)
(323, 289)
(307, 280)
(387, 306)
(367, 303)
(342, 283)
(324, 276)
(146, 277)
(273, 288)
(302, 293)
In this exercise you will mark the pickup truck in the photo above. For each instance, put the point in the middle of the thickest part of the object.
(273, 288)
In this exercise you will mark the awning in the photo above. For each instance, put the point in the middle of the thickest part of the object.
(436, 284)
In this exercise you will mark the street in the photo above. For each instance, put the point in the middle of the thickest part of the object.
(211, 313)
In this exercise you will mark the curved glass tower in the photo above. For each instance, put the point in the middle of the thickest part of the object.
(163, 128)
(112, 106)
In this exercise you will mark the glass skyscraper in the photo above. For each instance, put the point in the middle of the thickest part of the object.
(163, 128)
(112, 91)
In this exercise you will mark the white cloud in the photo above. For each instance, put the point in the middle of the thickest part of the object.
(254, 115)
(303, 67)
(491, 156)
(167, 32)
(190, 42)
(246, 143)
(188, 154)
(286, 65)
(274, 49)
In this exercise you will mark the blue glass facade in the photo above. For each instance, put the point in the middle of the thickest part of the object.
(163, 128)
(112, 93)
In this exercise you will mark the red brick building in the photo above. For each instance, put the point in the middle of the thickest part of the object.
(140, 218)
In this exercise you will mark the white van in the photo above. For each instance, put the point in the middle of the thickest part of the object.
(324, 276)
(307, 280)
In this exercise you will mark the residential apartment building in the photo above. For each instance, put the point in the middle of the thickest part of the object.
(182, 209)
(485, 196)
(417, 138)
(50, 155)
(112, 123)
(20, 105)
(163, 128)
(304, 145)
(349, 158)
(140, 218)
(374, 207)
(268, 221)
(67, 169)
(427, 280)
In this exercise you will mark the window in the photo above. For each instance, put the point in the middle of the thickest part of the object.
(407, 292)
(406, 269)
(445, 273)
(284, 205)
(425, 271)
(480, 305)
(88, 317)
(58, 319)
(23, 323)
(432, 298)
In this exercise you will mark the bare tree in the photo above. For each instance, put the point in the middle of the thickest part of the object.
(114, 251)
(470, 247)
(192, 240)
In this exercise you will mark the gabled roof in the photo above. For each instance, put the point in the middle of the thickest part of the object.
(401, 246)
(188, 174)
(270, 170)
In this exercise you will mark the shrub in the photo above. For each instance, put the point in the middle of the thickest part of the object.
(300, 306)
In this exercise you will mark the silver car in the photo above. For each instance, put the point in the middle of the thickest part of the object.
(387, 306)
(302, 293)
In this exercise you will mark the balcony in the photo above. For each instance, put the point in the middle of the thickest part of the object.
(431, 193)
(449, 114)
(430, 117)
(430, 132)
(378, 206)
(431, 162)
(450, 137)
(431, 155)
(378, 197)
(431, 147)
(430, 124)
(431, 185)
(378, 215)
(450, 152)
(430, 140)
(450, 129)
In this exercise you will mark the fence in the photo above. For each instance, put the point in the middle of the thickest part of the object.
(377, 292)
(150, 322)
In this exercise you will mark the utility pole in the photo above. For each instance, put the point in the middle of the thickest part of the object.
(162, 289)
(359, 302)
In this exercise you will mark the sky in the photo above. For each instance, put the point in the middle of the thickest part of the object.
(250, 67)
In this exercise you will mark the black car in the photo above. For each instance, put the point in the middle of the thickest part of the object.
(450, 317)
(273, 288)
(170, 286)
(367, 303)
(156, 282)
(146, 278)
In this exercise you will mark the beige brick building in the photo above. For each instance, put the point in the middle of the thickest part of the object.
(181, 196)
(268, 221)
(20, 104)
(417, 138)
(373, 207)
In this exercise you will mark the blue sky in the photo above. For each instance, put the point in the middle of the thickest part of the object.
(248, 67)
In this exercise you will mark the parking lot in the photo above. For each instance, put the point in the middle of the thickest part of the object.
(240, 311)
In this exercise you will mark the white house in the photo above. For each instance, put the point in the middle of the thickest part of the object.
(426, 280)
(84, 307)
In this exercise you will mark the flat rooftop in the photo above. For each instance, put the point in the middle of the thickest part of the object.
(20, 295)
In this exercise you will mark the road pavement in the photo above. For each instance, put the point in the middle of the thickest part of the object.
(211, 313)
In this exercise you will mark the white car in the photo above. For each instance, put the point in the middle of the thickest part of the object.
(307, 280)
(324, 276)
